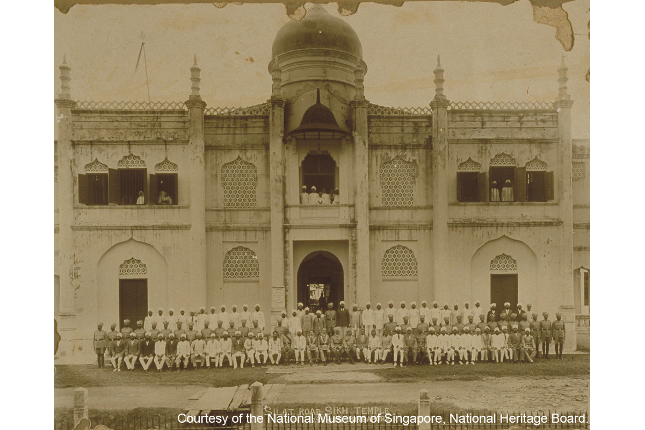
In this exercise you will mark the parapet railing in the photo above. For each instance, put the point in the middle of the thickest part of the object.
(500, 106)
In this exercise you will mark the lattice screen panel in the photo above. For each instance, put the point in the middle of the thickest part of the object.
(578, 171)
(503, 262)
(503, 159)
(399, 261)
(536, 165)
(469, 166)
(132, 267)
(239, 179)
(96, 167)
(398, 178)
(241, 263)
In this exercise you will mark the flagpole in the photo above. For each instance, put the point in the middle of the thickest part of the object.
(145, 63)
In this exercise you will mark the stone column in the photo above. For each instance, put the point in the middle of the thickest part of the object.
(257, 406)
(361, 190)
(440, 248)
(80, 405)
(423, 409)
(565, 192)
(197, 185)
(65, 195)
(277, 190)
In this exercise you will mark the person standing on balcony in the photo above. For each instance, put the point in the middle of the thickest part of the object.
(313, 196)
(325, 198)
(335, 197)
(494, 192)
(507, 192)
(141, 200)
(304, 196)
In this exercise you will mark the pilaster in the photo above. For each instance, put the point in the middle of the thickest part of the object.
(361, 191)
(440, 246)
(65, 195)
(563, 105)
(277, 190)
(197, 185)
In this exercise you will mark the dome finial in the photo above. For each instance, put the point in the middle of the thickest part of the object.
(438, 80)
(562, 81)
(195, 61)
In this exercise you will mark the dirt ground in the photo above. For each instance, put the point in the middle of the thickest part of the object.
(499, 394)
(493, 387)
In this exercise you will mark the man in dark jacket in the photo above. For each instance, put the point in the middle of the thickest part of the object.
(147, 351)
(132, 351)
(117, 351)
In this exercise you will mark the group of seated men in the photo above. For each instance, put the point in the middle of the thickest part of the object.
(315, 197)
(417, 336)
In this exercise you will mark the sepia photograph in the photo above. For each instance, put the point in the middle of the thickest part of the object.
(281, 216)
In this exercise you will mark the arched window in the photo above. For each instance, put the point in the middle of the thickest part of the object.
(538, 181)
(129, 182)
(241, 263)
(239, 181)
(93, 185)
(399, 261)
(398, 179)
(319, 170)
(164, 184)
(468, 173)
(504, 263)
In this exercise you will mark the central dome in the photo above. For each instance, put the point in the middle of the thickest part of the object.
(318, 29)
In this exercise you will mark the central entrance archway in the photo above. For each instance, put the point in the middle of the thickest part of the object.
(320, 281)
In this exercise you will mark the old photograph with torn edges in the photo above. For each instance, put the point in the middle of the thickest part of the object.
(273, 216)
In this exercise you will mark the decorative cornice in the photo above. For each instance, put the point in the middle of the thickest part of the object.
(237, 227)
(65, 103)
(501, 141)
(195, 103)
(317, 226)
(404, 226)
(400, 146)
(407, 208)
(439, 104)
(277, 103)
(164, 226)
(473, 222)
(563, 104)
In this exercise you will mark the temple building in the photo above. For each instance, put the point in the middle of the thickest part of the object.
(171, 205)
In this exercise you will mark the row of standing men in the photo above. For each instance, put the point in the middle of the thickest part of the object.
(303, 321)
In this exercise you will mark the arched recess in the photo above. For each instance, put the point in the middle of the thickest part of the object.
(482, 266)
(324, 270)
(110, 273)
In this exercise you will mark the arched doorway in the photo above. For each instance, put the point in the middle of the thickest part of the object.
(320, 281)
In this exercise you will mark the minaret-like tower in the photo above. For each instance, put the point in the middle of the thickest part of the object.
(441, 268)
(564, 195)
(277, 189)
(65, 184)
(66, 268)
(197, 180)
(361, 188)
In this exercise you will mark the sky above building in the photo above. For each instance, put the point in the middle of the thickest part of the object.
(489, 52)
